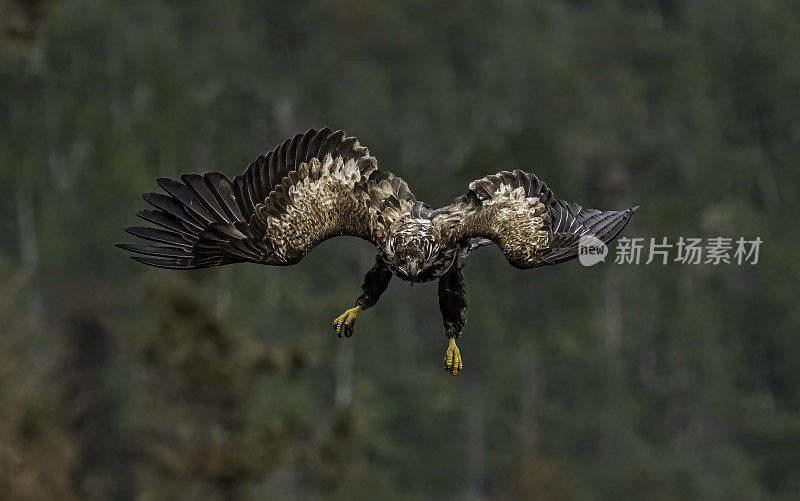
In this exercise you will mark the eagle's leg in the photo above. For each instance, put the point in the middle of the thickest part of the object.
(375, 282)
(453, 304)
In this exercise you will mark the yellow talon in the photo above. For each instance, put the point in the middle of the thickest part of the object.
(452, 357)
(345, 323)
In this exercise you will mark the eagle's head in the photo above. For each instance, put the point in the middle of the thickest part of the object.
(413, 253)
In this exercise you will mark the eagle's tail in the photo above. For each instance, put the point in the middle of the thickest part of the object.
(198, 223)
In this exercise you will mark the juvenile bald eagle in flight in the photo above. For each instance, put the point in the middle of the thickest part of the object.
(323, 184)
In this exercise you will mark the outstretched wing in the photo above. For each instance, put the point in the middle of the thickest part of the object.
(520, 214)
(312, 187)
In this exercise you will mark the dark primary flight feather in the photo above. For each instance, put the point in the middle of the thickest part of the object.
(571, 222)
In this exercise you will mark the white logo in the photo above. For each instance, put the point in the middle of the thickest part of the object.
(591, 250)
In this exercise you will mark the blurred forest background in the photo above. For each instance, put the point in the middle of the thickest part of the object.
(119, 381)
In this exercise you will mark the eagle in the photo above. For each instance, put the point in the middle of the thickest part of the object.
(324, 184)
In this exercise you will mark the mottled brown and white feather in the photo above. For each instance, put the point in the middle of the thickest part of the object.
(325, 199)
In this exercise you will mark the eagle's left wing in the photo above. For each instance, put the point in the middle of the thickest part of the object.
(314, 186)
(520, 214)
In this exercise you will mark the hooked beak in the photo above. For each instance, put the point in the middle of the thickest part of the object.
(411, 274)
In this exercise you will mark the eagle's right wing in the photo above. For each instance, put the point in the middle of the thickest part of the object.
(520, 214)
(312, 187)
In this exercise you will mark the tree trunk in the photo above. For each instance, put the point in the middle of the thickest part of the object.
(476, 442)
(29, 246)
